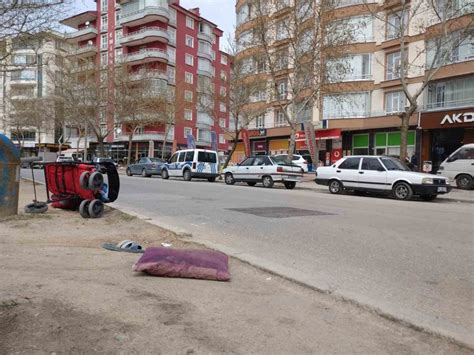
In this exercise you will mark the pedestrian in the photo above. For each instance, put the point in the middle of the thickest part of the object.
(414, 161)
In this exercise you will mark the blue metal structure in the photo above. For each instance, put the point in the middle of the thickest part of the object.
(9, 177)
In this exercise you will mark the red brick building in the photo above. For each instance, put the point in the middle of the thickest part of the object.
(174, 46)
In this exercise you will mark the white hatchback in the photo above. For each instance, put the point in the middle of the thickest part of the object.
(380, 174)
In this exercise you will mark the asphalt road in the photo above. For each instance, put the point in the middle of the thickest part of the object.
(412, 260)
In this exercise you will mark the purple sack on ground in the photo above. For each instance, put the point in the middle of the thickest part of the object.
(188, 263)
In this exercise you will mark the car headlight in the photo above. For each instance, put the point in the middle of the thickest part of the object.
(427, 181)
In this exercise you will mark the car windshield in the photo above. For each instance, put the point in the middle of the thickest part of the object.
(394, 164)
(282, 160)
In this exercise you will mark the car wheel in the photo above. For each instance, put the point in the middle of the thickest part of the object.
(402, 191)
(428, 197)
(187, 175)
(464, 182)
(128, 172)
(335, 187)
(164, 174)
(84, 208)
(251, 183)
(96, 208)
(211, 179)
(267, 182)
(229, 179)
(290, 185)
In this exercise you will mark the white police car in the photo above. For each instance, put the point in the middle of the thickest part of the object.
(192, 163)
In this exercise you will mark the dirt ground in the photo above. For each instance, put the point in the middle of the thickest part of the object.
(60, 292)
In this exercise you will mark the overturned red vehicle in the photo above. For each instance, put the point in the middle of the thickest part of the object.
(83, 186)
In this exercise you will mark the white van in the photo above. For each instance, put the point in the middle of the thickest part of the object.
(192, 163)
(459, 167)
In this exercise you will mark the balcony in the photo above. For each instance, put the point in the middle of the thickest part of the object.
(23, 81)
(205, 72)
(149, 74)
(203, 138)
(146, 55)
(204, 54)
(204, 121)
(89, 50)
(205, 37)
(145, 15)
(82, 35)
(145, 35)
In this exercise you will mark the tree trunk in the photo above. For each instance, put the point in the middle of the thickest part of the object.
(78, 143)
(101, 146)
(291, 148)
(405, 117)
(234, 147)
(129, 153)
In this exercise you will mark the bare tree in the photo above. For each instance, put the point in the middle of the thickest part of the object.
(295, 50)
(447, 26)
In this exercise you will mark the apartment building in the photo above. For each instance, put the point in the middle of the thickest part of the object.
(25, 76)
(359, 115)
(174, 46)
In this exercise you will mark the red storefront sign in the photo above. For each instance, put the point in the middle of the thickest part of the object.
(336, 154)
(321, 134)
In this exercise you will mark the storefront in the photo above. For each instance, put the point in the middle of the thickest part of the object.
(444, 132)
(329, 144)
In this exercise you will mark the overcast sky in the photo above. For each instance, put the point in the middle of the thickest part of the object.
(221, 12)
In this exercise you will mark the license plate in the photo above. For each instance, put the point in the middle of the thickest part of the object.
(442, 189)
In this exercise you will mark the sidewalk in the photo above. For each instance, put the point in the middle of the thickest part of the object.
(61, 292)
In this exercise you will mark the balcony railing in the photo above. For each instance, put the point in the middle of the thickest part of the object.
(443, 105)
(204, 120)
(86, 33)
(205, 37)
(143, 33)
(139, 16)
(87, 50)
(149, 74)
(145, 54)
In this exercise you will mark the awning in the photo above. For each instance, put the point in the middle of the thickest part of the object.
(321, 134)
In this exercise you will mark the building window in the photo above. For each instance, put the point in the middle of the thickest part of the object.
(393, 66)
(188, 95)
(188, 115)
(103, 23)
(223, 59)
(23, 59)
(213, 54)
(222, 123)
(118, 55)
(346, 105)
(350, 68)
(118, 36)
(260, 121)
(394, 25)
(103, 4)
(188, 77)
(223, 75)
(395, 102)
(222, 107)
(388, 143)
(282, 92)
(360, 26)
(444, 51)
(452, 93)
(172, 34)
(189, 59)
(103, 41)
(360, 144)
(171, 54)
(103, 58)
(280, 119)
(188, 131)
(25, 74)
(118, 15)
(223, 91)
(189, 41)
(171, 75)
(221, 139)
(189, 22)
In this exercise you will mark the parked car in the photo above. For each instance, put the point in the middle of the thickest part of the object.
(192, 163)
(297, 160)
(380, 174)
(145, 167)
(265, 169)
(104, 160)
(459, 167)
(63, 159)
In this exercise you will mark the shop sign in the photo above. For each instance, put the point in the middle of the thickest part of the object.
(466, 117)
(336, 154)
(259, 146)
(257, 132)
(334, 133)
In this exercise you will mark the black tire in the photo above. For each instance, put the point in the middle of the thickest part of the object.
(251, 183)
(335, 187)
(229, 179)
(267, 182)
(428, 197)
(36, 207)
(402, 191)
(164, 174)
(464, 182)
(84, 180)
(211, 179)
(84, 208)
(96, 180)
(290, 185)
(128, 172)
(187, 175)
(96, 209)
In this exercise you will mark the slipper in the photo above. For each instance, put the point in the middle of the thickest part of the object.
(125, 245)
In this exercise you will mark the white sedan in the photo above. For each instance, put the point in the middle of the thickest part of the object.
(265, 169)
(297, 160)
(380, 174)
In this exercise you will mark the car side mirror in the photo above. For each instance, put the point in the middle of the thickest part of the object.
(451, 159)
